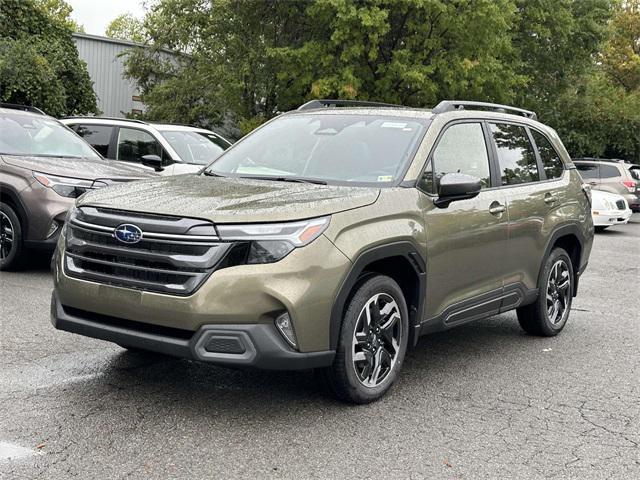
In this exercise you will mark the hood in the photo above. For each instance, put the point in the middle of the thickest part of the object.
(231, 200)
(601, 194)
(79, 168)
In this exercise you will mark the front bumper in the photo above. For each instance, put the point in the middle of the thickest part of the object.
(612, 217)
(250, 345)
(633, 199)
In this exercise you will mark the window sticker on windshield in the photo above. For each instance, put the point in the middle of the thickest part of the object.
(385, 178)
(393, 125)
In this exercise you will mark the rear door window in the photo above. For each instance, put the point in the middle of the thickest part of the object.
(551, 162)
(516, 156)
(98, 136)
(588, 171)
(133, 144)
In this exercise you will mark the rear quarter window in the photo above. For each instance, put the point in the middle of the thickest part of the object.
(551, 161)
(609, 171)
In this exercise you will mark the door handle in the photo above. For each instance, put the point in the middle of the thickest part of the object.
(550, 198)
(593, 183)
(496, 208)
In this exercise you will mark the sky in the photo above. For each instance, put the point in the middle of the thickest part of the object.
(95, 15)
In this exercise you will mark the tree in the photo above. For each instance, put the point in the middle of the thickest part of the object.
(252, 59)
(39, 63)
(599, 114)
(126, 27)
(412, 52)
(61, 11)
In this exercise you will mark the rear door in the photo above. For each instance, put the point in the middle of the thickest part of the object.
(590, 173)
(466, 241)
(531, 199)
(611, 179)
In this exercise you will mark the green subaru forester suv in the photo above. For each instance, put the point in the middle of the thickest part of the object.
(331, 238)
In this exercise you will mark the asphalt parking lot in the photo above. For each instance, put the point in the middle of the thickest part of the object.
(482, 401)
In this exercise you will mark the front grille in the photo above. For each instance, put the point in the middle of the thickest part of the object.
(168, 259)
(621, 205)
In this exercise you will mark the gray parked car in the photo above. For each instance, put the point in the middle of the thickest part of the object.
(614, 176)
(44, 167)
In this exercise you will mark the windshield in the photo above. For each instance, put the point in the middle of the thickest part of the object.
(40, 136)
(339, 148)
(200, 148)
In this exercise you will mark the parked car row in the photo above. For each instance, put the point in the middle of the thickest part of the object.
(44, 167)
(330, 238)
(615, 189)
(168, 149)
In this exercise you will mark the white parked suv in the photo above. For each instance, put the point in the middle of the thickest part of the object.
(608, 209)
(168, 149)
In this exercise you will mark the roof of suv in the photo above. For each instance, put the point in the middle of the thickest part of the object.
(443, 107)
(454, 109)
(129, 121)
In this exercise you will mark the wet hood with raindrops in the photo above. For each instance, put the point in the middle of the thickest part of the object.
(230, 200)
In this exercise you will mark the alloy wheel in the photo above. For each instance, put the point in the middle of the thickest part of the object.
(376, 340)
(558, 292)
(6, 236)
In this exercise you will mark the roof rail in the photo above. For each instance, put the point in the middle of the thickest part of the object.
(90, 117)
(329, 103)
(451, 105)
(596, 159)
(24, 108)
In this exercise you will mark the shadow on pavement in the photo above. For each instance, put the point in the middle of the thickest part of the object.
(175, 385)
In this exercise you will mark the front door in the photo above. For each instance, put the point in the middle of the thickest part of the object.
(467, 241)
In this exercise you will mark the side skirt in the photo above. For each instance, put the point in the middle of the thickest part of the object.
(481, 306)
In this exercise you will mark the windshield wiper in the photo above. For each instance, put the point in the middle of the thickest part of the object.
(285, 179)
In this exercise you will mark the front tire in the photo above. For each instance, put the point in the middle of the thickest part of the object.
(372, 343)
(10, 238)
(549, 314)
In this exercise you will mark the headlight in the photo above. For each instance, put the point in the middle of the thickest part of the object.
(270, 242)
(67, 186)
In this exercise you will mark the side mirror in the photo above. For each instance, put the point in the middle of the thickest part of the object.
(153, 161)
(457, 186)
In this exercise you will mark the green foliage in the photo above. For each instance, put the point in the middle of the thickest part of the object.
(576, 62)
(599, 114)
(61, 11)
(126, 27)
(39, 63)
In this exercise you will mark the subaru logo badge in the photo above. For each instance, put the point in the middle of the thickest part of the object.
(128, 233)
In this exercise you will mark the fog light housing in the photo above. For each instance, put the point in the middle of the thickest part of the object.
(285, 327)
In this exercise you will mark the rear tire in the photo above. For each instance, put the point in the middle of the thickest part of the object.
(550, 312)
(372, 343)
(10, 238)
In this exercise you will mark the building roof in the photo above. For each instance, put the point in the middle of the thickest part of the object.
(119, 41)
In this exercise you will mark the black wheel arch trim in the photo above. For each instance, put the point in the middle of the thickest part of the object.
(563, 231)
(22, 211)
(405, 249)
